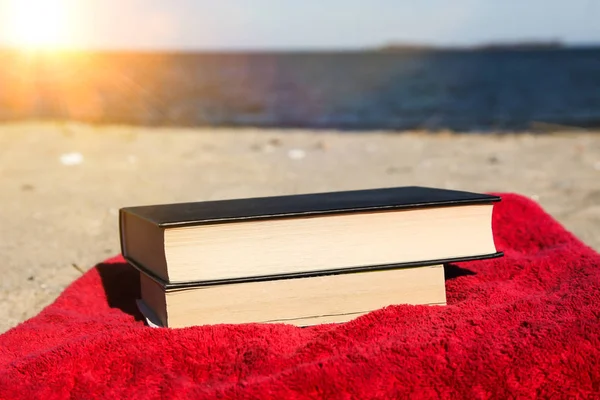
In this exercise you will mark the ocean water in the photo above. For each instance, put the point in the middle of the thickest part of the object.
(467, 91)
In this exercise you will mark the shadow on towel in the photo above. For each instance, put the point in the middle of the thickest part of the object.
(121, 283)
(452, 271)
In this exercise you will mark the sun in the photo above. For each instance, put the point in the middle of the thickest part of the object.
(39, 24)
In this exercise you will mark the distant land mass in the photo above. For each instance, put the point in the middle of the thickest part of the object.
(549, 45)
(499, 46)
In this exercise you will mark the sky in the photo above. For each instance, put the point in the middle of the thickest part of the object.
(286, 24)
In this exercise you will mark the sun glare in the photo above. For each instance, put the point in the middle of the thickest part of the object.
(39, 24)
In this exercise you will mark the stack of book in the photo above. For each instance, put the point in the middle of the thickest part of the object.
(302, 259)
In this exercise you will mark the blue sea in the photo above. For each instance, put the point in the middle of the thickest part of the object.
(459, 90)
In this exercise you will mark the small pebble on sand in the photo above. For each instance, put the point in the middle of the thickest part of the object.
(296, 154)
(71, 159)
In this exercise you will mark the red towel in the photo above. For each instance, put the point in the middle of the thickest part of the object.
(525, 325)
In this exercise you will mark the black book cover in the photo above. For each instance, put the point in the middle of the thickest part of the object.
(219, 211)
(168, 286)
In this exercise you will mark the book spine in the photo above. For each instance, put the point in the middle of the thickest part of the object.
(122, 228)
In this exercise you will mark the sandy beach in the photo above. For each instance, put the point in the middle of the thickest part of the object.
(63, 183)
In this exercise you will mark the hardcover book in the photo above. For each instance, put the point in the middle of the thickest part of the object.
(296, 301)
(267, 238)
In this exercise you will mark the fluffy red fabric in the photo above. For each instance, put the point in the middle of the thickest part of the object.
(526, 325)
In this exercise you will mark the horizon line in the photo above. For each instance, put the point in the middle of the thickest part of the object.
(389, 46)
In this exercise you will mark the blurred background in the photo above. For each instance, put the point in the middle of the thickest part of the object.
(105, 104)
(475, 65)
